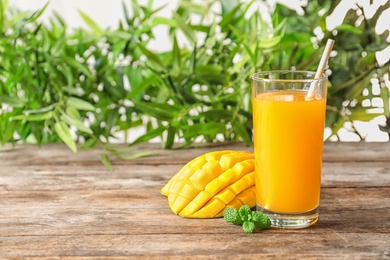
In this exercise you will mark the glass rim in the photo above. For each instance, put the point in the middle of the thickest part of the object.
(257, 76)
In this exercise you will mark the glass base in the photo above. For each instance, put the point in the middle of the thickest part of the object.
(288, 220)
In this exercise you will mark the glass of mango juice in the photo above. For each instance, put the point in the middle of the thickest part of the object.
(288, 127)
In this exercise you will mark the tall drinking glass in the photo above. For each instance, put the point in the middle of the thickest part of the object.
(288, 143)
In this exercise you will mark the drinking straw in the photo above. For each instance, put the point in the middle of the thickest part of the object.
(321, 67)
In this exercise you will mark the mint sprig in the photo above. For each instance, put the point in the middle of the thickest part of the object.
(250, 220)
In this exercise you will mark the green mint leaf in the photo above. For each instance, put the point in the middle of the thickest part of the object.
(257, 216)
(250, 220)
(260, 220)
(231, 215)
(245, 213)
(248, 227)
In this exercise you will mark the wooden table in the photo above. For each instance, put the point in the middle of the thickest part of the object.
(54, 203)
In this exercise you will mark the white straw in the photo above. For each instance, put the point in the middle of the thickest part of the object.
(321, 67)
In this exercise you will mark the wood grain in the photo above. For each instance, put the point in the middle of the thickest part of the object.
(95, 177)
(144, 211)
(58, 205)
(200, 244)
(55, 154)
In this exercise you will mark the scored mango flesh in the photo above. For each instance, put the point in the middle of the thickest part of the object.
(208, 184)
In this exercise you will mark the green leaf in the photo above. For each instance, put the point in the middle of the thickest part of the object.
(76, 123)
(111, 119)
(245, 213)
(267, 43)
(65, 70)
(248, 227)
(250, 53)
(349, 28)
(140, 85)
(58, 19)
(201, 28)
(228, 17)
(231, 215)
(154, 11)
(209, 69)
(187, 30)
(119, 35)
(121, 150)
(136, 155)
(106, 161)
(242, 131)
(365, 63)
(210, 73)
(149, 4)
(228, 6)
(63, 132)
(58, 48)
(193, 59)
(362, 114)
(13, 101)
(135, 78)
(8, 129)
(135, 8)
(126, 14)
(74, 91)
(89, 144)
(164, 21)
(331, 118)
(176, 54)
(249, 220)
(91, 23)
(33, 117)
(171, 131)
(80, 104)
(385, 95)
(73, 63)
(150, 135)
(260, 220)
(194, 7)
(38, 13)
(153, 58)
(15, 19)
(73, 112)
(209, 129)
(163, 112)
(3, 11)
(218, 114)
(357, 89)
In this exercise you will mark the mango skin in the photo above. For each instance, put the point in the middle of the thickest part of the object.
(208, 184)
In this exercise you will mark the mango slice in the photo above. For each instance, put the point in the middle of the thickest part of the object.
(208, 184)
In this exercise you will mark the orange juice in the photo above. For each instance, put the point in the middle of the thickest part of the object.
(288, 150)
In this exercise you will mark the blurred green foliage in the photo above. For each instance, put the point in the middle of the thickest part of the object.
(83, 86)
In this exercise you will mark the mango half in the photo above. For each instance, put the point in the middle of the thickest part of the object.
(208, 184)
